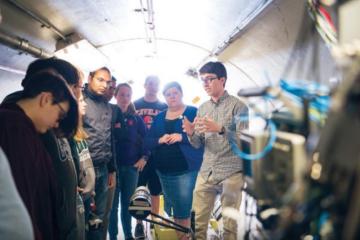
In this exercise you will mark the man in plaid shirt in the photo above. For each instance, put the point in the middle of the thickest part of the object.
(221, 170)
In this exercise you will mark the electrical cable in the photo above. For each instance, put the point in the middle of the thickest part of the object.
(246, 156)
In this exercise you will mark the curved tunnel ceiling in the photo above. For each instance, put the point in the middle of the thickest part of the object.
(178, 36)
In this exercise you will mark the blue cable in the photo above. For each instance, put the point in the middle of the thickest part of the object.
(296, 90)
(247, 156)
(303, 88)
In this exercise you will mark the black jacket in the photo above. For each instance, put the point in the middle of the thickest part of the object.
(99, 122)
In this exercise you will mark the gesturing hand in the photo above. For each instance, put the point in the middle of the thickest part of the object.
(207, 124)
(188, 126)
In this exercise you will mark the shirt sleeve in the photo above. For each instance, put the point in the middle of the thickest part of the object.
(141, 128)
(15, 139)
(197, 139)
(117, 119)
(13, 211)
(241, 122)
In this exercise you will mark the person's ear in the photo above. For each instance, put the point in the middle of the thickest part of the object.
(45, 98)
(223, 80)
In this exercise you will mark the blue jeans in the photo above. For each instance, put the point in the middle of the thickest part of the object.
(178, 192)
(125, 187)
(101, 188)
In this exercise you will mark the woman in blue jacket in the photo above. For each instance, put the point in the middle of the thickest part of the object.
(130, 159)
(177, 162)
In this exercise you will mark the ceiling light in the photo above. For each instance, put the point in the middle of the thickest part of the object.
(81, 53)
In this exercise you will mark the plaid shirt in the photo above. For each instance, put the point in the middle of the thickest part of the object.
(219, 159)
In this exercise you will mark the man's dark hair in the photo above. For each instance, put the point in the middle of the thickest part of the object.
(64, 68)
(216, 68)
(51, 81)
(172, 85)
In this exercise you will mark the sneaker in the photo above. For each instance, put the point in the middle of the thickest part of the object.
(139, 231)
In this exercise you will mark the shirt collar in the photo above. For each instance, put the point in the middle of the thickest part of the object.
(93, 96)
(221, 99)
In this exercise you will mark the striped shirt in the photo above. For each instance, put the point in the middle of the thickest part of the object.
(219, 159)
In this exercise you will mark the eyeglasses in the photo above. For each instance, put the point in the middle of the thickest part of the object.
(208, 79)
(63, 113)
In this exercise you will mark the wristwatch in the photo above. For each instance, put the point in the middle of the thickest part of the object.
(222, 130)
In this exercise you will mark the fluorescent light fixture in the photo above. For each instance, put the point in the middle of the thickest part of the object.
(83, 55)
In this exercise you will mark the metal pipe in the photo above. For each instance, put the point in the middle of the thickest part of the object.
(149, 24)
(37, 18)
(150, 14)
(18, 43)
(148, 38)
(239, 29)
(236, 33)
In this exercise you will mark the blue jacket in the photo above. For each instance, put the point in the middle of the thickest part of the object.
(192, 155)
(130, 143)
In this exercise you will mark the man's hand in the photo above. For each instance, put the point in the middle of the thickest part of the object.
(188, 126)
(80, 190)
(174, 137)
(140, 164)
(111, 180)
(206, 124)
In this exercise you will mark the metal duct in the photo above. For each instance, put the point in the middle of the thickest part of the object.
(37, 18)
(18, 43)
